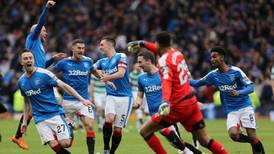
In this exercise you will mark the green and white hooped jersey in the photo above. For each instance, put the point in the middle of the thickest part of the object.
(133, 77)
(99, 87)
(272, 73)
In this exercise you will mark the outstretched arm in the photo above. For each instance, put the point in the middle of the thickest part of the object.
(56, 57)
(68, 89)
(197, 83)
(42, 20)
(151, 47)
(135, 46)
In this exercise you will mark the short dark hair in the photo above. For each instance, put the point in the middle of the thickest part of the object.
(75, 41)
(164, 39)
(24, 51)
(110, 39)
(147, 56)
(219, 49)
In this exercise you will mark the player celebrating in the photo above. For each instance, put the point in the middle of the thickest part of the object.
(133, 77)
(178, 101)
(149, 83)
(76, 72)
(34, 43)
(234, 87)
(36, 85)
(119, 100)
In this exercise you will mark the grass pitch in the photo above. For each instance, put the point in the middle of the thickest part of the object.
(132, 142)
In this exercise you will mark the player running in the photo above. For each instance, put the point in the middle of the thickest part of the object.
(234, 87)
(76, 73)
(133, 78)
(36, 85)
(118, 101)
(149, 83)
(34, 42)
(178, 101)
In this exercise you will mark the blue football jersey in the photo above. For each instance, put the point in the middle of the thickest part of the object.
(110, 66)
(39, 90)
(233, 79)
(37, 48)
(76, 74)
(151, 86)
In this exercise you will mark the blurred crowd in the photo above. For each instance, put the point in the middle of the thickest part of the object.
(244, 28)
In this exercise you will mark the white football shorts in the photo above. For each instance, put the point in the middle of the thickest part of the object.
(55, 128)
(72, 106)
(243, 118)
(121, 107)
(100, 99)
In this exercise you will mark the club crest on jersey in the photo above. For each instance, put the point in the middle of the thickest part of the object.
(232, 78)
(86, 65)
(37, 82)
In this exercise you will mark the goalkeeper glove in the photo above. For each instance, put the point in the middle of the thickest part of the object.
(135, 46)
(164, 109)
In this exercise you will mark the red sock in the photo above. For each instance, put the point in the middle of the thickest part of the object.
(216, 147)
(155, 144)
(90, 134)
(29, 117)
(165, 131)
(256, 140)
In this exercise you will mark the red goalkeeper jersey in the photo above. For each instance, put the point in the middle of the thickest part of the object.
(174, 74)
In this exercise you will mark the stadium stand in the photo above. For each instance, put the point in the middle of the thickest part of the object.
(246, 29)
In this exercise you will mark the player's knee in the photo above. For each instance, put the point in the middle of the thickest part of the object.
(53, 143)
(142, 132)
(203, 141)
(109, 119)
(65, 143)
(117, 132)
(234, 136)
(89, 126)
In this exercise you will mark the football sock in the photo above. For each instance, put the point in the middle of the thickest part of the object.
(177, 130)
(139, 114)
(90, 142)
(192, 148)
(155, 144)
(101, 121)
(116, 139)
(216, 148)
(173, 138)
(141, 121)
(59, 150)
(257, 146)
(18, 132)
(243, 138)
(107, 131)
